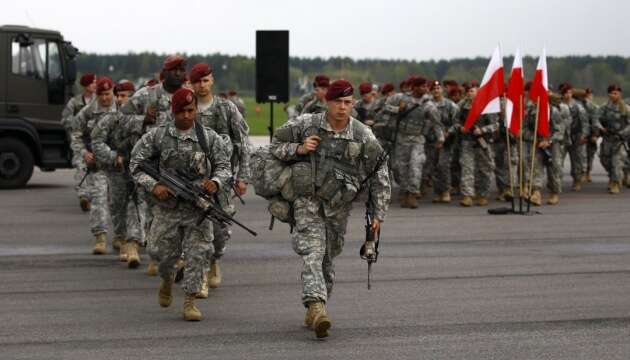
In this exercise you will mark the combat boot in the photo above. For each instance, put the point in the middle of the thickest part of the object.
(553, 199)
(482, 201)
(204, 292)
(123, 255)
(165, 294)
(308, 318)
(507, 195)
(133, 258)
(85, 203)
(152, 268)
(117, 242)
(536, 198)
(100, 246)
(589, 178)
(214, 277)
(412, 200)
(443, 198)
(466, 201)
(191, 313)
(321, 321)
(577, 185)
(614, 187)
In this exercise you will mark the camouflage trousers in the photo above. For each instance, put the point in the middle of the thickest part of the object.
(175, 232)
(504, 168)
(442, 176)
(456, 169)
(613, 157)
(80, 168)
(539, 168)
(222, 232)
(578, 157)
(429, 166)
(318, 239)
(591, 150)
(408, 163)
(477, 169)
(126, 207)
(98, 186)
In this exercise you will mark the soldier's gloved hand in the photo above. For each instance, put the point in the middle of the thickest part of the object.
(463, 130)
(240, 187)
(376, 226)
(151, 115)
(120, 163)
(161, 192)
(210, 186)
(543, 144)
(583, 140)
(89, 158)
(310, 144)
(477, 132)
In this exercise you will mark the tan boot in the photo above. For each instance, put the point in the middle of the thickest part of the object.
(214, 277)
(100, 246)
(536, 198)
(165, 294)
(117, 242)
(482, 201)
(321, 321)
(577, 185)
(507, 195)
(553, 199)
(132, 253)
(308, 318)
(583, 179)
(152, 268)
(123, 255)
(466, 201)
(412, 200)
(85, 203)
(445, 198)
(203, 294)
(614, 187)
(403, 200)
(191, 313)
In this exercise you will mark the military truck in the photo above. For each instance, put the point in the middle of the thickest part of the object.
(37, 74)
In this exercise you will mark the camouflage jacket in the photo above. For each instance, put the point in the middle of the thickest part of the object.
(109, 140)
(305, 99)
(560, 120)
(223, 117)
(362, 150)
(240, 104)
(614, 119)
(580, 124)
(421, 123)
(487, 123)
(83, 124)
(74, 105)
(315, 106)
(364, 111)
(135, 109)
(448, 123)
(180, 152)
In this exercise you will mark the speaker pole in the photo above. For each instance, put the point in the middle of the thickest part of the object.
(270, 121)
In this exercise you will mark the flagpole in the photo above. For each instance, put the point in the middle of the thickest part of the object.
(520, 158)
(509, 163)
(531, 173)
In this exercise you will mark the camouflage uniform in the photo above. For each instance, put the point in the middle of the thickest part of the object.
(240, 104)
(529, 123)
(85, 121)
(580, 128)
(477, 164)
(74, 105)
(447, 134)
(224, 118)
(344, 160)
(560, 124)
(614, 118)
(305, 99)
(409, 152)
(174, 230)
(591, 146)
(127, 209)
(315, 106)
(364, 111)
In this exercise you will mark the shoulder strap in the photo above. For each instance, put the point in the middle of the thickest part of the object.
(201, 137)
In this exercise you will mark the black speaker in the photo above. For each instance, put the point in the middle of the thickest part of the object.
(272, 66)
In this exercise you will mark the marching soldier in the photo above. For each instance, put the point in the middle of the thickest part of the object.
(365, 106)
(446, 140)
(579, 136)
(320, 86)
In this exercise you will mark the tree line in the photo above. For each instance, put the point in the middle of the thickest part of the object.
(238, 72)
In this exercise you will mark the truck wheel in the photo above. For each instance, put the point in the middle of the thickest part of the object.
(16, 163)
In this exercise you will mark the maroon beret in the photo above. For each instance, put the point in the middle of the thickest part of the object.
(365, 88)
(124, 85)
(87, 79)
(198, 71)
(387, 87)
(182, 98)
(450, 83)
(455, 91)
(614, 87)
(321, 81)
(564, 87)
(417, 81)
(232, 93)
(172, 62)
(528, 85)
(474, 83)
(339, 88)
(104, 84)
(151, 82)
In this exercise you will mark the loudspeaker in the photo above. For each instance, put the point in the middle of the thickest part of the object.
(272, 66)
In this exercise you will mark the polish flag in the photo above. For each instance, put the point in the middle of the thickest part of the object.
(515, 96)
(539, 94)
(487, 100)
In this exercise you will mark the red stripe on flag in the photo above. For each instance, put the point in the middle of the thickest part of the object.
(486, 93)
(538, 93)
(516, 94)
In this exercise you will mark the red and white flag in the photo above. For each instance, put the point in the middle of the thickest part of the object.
(539, 94)
(515, 96)
(487, 100)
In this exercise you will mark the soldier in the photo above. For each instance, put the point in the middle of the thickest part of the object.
(560, 139)
(579, 136)
(529, 125)
(320, 86)
(365, 106)
(123, 91)
(234, 98)
(74, 105)
(345, 147)
(446, 139)
(591, 147)
(224, 118)
(112, 147)
(613, 124)
(317, 103)
(476, 157)
(409, 152)
(175, 229)
(84, 123)
(502, 169)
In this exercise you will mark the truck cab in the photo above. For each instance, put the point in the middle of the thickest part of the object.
(37, 74)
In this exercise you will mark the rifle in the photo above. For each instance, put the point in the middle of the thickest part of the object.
(192, 193)
(232, 183)
(369, 250)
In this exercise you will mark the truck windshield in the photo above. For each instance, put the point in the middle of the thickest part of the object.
(29, 59)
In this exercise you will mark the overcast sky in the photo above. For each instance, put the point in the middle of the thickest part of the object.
(418, 30)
